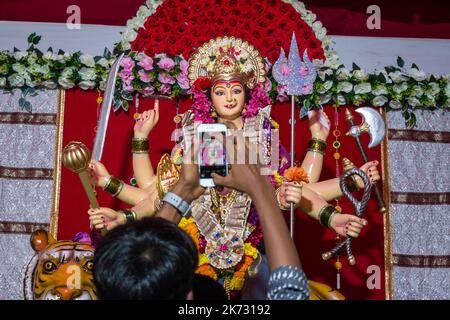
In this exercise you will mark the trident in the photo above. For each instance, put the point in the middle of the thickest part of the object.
(298, 78)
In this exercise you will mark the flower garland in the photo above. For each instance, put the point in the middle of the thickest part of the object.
(237, 274)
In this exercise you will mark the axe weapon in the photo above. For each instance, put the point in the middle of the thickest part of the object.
(374, 125)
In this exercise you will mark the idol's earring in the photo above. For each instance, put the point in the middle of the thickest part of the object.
(245, 109)
(213, 112)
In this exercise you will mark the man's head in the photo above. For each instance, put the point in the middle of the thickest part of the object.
(148, 259)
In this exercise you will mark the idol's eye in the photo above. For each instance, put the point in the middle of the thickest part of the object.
(237, 91)
(89, 265)
(219, 93)
(49, 266)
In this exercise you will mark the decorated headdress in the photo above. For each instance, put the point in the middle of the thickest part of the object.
(227, 58)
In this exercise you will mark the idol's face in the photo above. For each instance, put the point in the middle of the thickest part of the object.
(228, 98)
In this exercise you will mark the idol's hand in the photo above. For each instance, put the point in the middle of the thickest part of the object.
(101, 218)
(99, 174)
(370, 168)
(319, 124)
(347, 224)
(290, 192)
(146, 121)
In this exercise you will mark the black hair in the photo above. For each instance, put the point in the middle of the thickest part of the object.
(205, 288)
(147, 259)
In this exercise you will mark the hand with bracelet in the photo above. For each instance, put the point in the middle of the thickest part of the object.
(319, 126)
(106, 218)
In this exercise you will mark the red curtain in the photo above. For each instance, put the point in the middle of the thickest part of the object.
(80, 118)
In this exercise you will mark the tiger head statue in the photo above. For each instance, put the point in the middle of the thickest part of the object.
(60, 270)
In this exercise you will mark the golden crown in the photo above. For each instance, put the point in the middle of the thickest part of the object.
(227, 58)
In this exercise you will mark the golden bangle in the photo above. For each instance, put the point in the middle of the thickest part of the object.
(140, 145)
(277, 194)
(317, 145)
(114, 186)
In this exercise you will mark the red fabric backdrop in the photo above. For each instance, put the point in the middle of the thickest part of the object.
(80, 118)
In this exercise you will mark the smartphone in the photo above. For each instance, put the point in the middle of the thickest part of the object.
(211, 152)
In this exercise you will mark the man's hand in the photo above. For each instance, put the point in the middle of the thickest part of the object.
(243, 177)
(188, 186)
(146, 121)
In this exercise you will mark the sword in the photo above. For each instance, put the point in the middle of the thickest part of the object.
(102, 125)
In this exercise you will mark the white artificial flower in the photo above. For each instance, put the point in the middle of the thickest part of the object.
(324, 98)
(87, 85)
(163, 55)
(325, 87)
(2, 82)
(417, 75)
(126, 45)
(397, 76)
(310, 17)
(431, 102)
(357, 100)
(32, 57)
(104, 62)
(344, 86)
(319, 30)
(87, 73)
(323, 72)
(333, 62)
(379, 101)
(129, 35)
(28, 81)
(50, 84)
(65, 79)
(379, 90)
(434, 90)
(341, 100)
(60, 58)
(417, 91)
(447, 90)
(67, 56)
(20, 54)
(133, 23)
(363, 88)
(400, 87)
(34, 69)
(44, 69)
(395, 104)
(387, 79)
(414, 102)
(143, 12)
(50, 56)
(87, 60)
(19, 68)
(343, 74)
(360, 75)
(16, 80)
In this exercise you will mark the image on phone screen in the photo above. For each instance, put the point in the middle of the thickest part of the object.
(213, 155)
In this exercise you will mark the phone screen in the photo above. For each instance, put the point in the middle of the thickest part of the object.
(212, 154)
